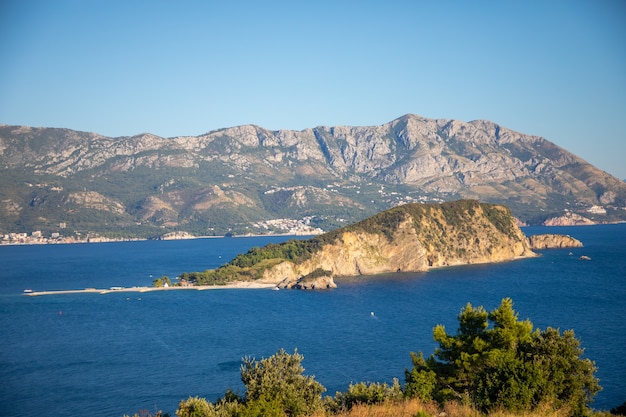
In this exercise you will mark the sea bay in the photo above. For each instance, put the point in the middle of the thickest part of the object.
(116, 353)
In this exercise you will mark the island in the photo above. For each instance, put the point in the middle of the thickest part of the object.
(408, 238)
(413, 237)
(553, 241)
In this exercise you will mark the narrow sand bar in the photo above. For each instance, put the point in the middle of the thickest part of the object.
(235, 285)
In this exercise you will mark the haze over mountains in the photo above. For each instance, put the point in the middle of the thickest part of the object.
(241, 179)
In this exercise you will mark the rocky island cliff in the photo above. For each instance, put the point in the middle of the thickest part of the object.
(407, 238)
(553, 241)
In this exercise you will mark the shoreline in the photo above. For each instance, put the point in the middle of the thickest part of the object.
(72, 241)
(235, 285)
(45, 241)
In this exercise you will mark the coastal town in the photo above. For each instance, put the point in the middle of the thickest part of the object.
(38, 238)
(288, 227)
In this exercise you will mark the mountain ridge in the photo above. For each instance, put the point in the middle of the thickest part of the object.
(228, 179)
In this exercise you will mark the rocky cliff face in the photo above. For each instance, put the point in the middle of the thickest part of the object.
(414, 237)
(228, 179)
(568, 219)
(553, 241)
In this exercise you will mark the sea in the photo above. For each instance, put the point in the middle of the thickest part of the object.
(125, 352)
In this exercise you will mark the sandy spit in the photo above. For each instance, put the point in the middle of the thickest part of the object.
(234, 285)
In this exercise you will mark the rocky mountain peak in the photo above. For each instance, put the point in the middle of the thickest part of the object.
(348, 172)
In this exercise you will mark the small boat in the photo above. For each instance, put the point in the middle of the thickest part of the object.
(28, 291)
(275, 289)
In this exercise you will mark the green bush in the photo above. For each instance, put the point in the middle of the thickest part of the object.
(229, 406)
(263, 406)
(275, 387)
(420, 380)
(278, 381)
(365, 393)
(500, 362)
(195, 407)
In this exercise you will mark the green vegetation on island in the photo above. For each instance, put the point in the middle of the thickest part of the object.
(250, 266)
(495, 365)
(163, 281)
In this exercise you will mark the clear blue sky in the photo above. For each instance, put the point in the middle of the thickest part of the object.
(551, 68)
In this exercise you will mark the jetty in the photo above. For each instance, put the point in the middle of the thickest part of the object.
(234, 285)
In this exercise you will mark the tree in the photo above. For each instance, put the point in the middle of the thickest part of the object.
(365, 393)
(278, 382)
(160, 282)
(569, 378)
(421, 381)
(195, 407)
(499, 361)
(275, 387)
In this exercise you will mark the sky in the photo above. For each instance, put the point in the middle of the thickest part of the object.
(553, 68)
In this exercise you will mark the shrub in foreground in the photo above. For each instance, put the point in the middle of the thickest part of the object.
(275, 387)
(278, 381)
(494, 365)
(497, 362)
(365, 394)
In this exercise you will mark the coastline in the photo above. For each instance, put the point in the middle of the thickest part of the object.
(27, 240)
(72, 241)
(234, 285)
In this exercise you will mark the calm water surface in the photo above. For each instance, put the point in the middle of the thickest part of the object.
(107, 355)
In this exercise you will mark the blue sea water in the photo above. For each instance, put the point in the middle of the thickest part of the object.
(117, 353)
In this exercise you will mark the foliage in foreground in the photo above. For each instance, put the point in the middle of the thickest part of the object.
(496, 365)
(275, 386)
(497, 362)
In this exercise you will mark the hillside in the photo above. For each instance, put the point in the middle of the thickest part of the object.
(236, 180)
(411, 237)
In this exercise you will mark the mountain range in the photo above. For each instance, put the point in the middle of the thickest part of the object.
(248, 179)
